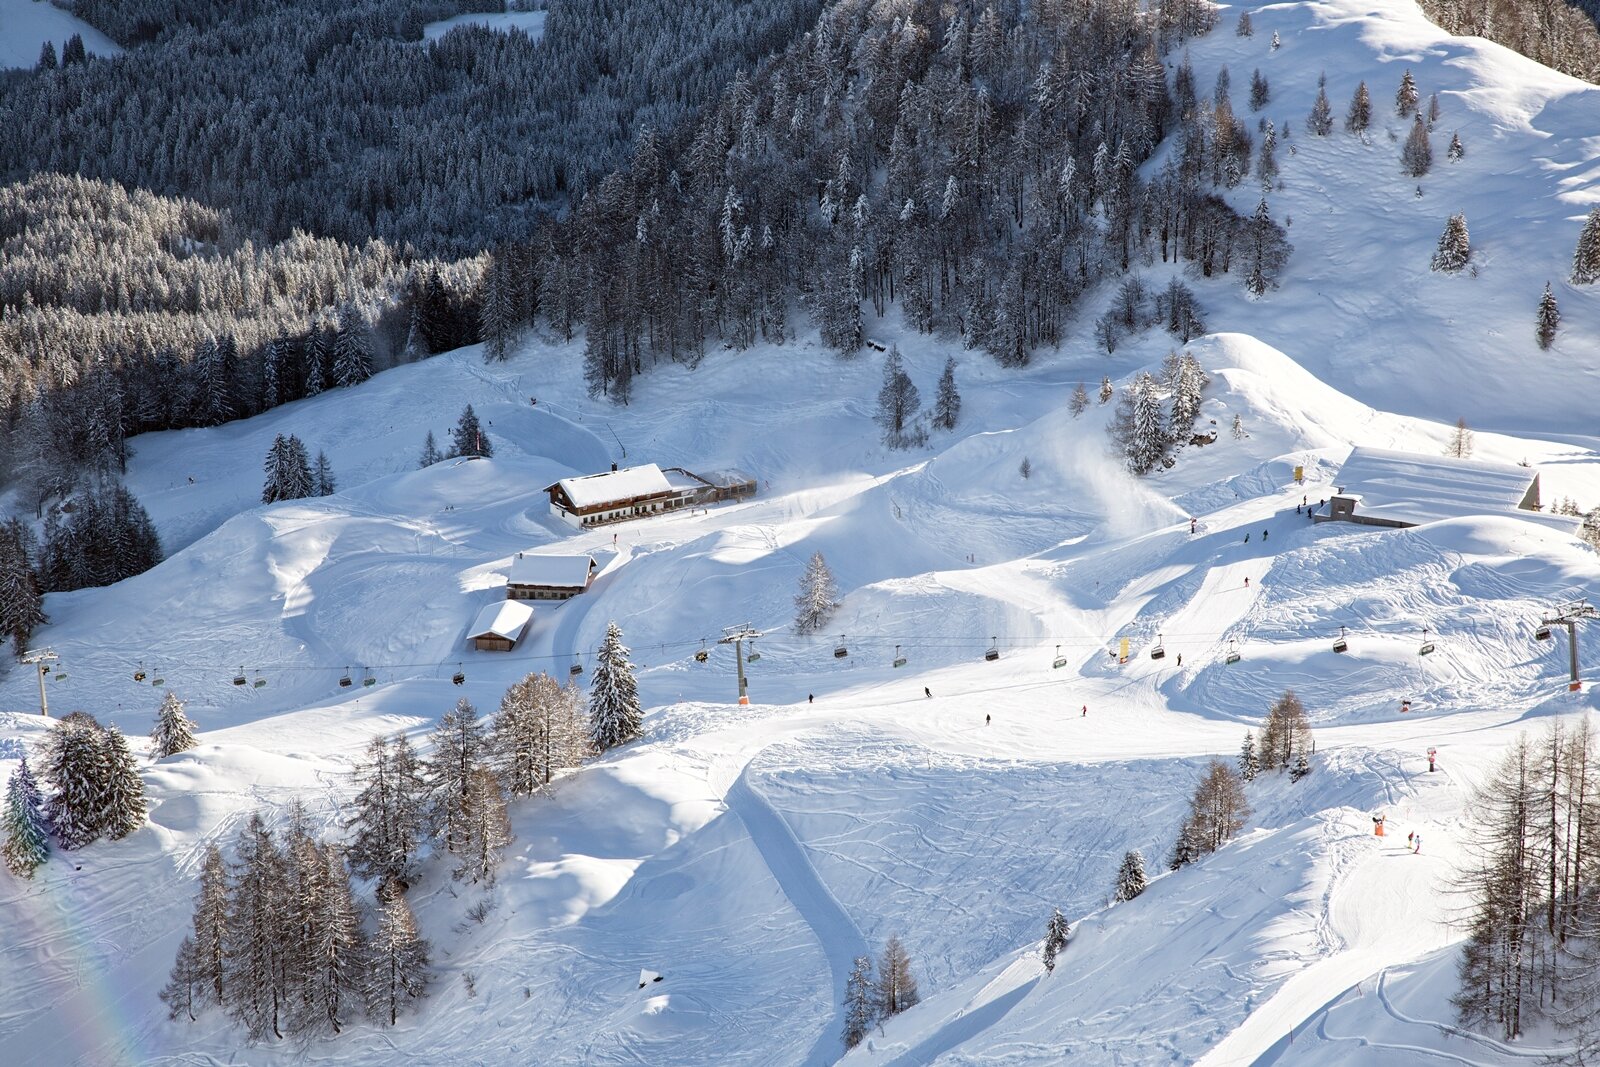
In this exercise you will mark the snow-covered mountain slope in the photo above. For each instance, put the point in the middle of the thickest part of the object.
(25, 25)
(750, 853)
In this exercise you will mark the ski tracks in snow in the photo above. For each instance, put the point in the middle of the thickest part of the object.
(840, 938)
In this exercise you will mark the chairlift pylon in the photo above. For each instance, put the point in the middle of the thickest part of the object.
(1158, 652)
(1060, 660)
(839, 650)
(899, 660)
(1233, 652)
(993, 652)
(1339, 643)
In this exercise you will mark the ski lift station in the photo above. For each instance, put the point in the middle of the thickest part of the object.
(637, 492)
(500, 625)
(1377, 487)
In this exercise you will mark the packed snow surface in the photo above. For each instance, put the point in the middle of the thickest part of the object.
(748, 854)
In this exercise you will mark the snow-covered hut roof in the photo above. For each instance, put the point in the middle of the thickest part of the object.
(503, 618)
(562, 572)
(1412, 488)
(593, 489)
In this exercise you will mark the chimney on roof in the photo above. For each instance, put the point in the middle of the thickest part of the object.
(613, 466)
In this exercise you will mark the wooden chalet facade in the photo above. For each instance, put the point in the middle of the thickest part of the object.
(549, 577)
(499, 626)
(638, 492)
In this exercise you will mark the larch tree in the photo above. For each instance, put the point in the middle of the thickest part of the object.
(323, 482)
(896, 987)
(1260, 91)
(1549, 318)
(389, 819)
(1079, 403)
(27, 833)
(460, 747)
(1460, 445)
(1455, 246)
(174, 731)
(898, 402)
(1359, 117)
(1131, 877)
(488, 829)
(539, 732)
(1218, 809)
(255, 973)
(1055, 938)
(1106, 389)
(818, 598)
(398, 971)
(615, 716)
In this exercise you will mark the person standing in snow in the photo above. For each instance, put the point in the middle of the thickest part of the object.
(1247, 582)
(927, 692)
(811, 698)
(1085, 714)
(1416, 845)
(1191, 525)
(986, 720)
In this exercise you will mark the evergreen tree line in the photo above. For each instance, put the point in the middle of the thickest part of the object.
(468, 438)
(105, 537)
(21, 590)
(979, 168)
(870, 998)
(1532, 879)
(252, 108)
(292, 475)
(1563, 36)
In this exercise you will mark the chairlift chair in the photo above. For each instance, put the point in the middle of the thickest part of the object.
(1542, 633)
(260, 682)
(345, 681)
(1233, 652)
(1158, 652)
(1427, 646)
(701, 655)
(899, 660)
(575, 670)
(755, 654)
(61, 673)
(157, 682)
(458, 678)
(839, 651)
(138, 674)
(994, 650)
(1339, 643)
(369, 680)
(239, 679)
(1060, 660)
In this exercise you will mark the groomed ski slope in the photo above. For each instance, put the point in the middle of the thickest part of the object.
(749, 853)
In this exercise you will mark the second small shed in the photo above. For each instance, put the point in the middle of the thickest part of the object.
(499, 626)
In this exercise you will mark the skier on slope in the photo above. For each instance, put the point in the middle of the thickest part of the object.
(927, 692)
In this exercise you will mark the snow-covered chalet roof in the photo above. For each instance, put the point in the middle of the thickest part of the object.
(1414, 488)
(591, 490)
(562, 572)
(503, 618)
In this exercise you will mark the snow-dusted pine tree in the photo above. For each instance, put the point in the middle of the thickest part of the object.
(818, 597)
(1244, 28)
(1416, 157)
(1139, 428)
(1249, 758)
(1405, 98)
(123, 806)
(1586, 257)
(1549, 318)
(1055, 938)
(468, 438)
(896, 988)
(1080, 400)
(1455, 246)
(1237, 428)
(397, 962)
(174, 732)
(21, 600)
(947, 404)
(859, 1013)
(1188, 387)
(1131, 879)
(352, 348)
(430, 452)
(288, 471)
(460, 747)
(615, 717)
(1260, 91)
(1359, 117)
(76, 769)
(1187, 847)
(1457, 149)
(488, 828)
(323, 482)
(1106, 389)
(1302, 766)
(1025, 468)
(539, 732)
(1320, 121)
(27, 834)
(185, 984)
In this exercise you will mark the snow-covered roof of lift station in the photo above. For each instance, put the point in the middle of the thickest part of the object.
(1414, 488)
(503, 618)
(590, 490)
(557, 571)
